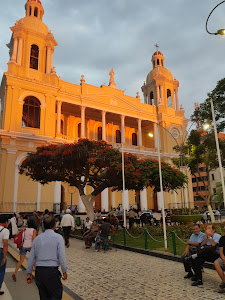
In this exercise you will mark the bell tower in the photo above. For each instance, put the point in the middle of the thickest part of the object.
(32, 44)
(160, 89)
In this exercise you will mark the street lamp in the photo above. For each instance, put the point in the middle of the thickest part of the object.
(220, 31)
(218, 150)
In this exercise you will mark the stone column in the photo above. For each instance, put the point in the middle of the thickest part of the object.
(112, 134)
(177, 101)
(57, 196)
(83, 121)
(105, 200)
(125, 200)
(48, 60)
(159, 198)
(39, 197)
(175, 199)
(155, 135)
(15, 48)
(139, 133)
(20, 49)
(59, 108)
(143, 199)
(103, 126)
(51, 59)
(123, 129)
(157, 95)
(113, 199)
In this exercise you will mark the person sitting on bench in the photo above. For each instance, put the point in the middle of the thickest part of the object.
(105, 228)
(90, 234)
(220, 265)
(191, 247)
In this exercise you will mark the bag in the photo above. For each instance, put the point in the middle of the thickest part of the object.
(19, 239)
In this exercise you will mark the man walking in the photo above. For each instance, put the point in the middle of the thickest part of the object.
(49, 252)
(67, 224)
(4, 237)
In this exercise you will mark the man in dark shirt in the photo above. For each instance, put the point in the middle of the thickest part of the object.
(105, 228)
(220, 264)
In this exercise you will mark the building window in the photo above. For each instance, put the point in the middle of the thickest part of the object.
(36, 12)
(194, 189)
(134, 139)
(169, 99)
(30, 11)
(151, 98)
(79, 130)
(213, 177)
(31, 112)
(118, 136)
(157, 62)
(99, 133)
(34, 54)
(193, 179)
(214, 191)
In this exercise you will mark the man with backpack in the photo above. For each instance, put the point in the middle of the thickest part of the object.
(4, 237)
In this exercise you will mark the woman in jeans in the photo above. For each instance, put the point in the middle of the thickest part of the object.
(29, 235)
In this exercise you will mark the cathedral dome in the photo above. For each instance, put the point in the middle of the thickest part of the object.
(158, 68)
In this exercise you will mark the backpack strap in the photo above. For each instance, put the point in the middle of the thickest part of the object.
(2, 229)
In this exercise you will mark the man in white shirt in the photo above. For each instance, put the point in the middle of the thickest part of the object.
(4, 236)
(67, 224)
(88, 224)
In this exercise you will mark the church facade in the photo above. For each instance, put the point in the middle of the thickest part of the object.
(39, 108)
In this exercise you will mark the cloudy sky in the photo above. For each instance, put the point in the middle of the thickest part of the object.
(96, 35)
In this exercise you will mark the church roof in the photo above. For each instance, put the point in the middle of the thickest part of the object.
(157, 53)
(38, 1)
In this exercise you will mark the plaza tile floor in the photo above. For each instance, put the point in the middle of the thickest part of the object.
(121, 275)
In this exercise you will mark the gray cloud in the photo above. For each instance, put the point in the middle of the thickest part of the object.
(96, 35)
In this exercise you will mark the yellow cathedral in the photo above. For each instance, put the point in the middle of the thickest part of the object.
(39, 108)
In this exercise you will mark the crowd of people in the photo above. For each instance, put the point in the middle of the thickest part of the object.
(204, 247)
(47, 250)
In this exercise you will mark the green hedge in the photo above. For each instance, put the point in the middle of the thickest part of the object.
(186, 218)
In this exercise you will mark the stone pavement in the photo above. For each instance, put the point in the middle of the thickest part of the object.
(121, 275)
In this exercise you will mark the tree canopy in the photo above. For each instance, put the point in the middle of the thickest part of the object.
(99, 165)
(203, 114)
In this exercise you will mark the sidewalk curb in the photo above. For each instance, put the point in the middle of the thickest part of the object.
(158, 254)
(67, 293)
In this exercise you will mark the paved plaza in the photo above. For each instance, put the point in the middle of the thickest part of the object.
(120, 274)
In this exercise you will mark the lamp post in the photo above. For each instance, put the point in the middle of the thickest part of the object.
(123, 193)
(218, 150)
(220, 31)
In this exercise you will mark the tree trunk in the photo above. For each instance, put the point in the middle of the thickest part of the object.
(88, 201)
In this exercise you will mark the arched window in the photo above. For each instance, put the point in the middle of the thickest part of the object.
(36, 12)
(34, 54)
(31, 112)
(169, 99)
(30, 11)
(99, 133)
(151, 98)
(134, 139)
(157, 62)
(118, 136)
(79, 130)
(162, 62)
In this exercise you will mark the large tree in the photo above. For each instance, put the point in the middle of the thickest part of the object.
(199, 151)
(99, 165)
(203, 113)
